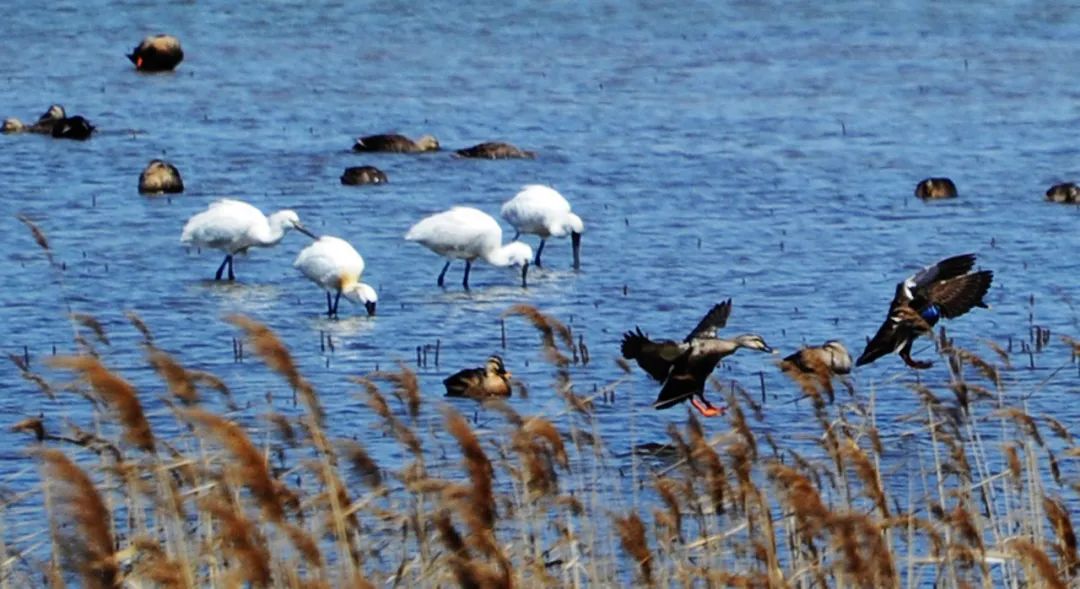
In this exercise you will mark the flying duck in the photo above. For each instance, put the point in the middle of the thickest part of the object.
(933, 188)
(396, 144)
(1067, 192)
(358, 175)
(160, 177)
(491, 380)
(946, 289)
(495, 151)
(683, 367)
(813, 367)
(157, 53)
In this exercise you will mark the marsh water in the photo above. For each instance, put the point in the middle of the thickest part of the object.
(761, 151)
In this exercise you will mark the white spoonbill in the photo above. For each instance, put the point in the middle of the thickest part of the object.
(332, 263)
(541, 210)
(465, 233)
(233, 226)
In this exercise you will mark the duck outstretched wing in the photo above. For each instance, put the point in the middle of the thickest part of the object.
(714, 320)
(653, 357)
(957, 296)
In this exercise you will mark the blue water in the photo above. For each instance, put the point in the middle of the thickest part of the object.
(760, 151)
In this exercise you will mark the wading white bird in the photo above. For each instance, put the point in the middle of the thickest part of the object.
(233, 226)
(541, 210)
(465, 233)
(332, 263)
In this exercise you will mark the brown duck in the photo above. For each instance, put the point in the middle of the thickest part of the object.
(490, 380)
(160, 177)
(157, 53)
(495, 151)
(393, 143)
(684, 367)
(934, 188)
(813, 367)
(946, 289)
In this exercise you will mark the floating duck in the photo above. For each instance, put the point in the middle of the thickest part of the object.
(393, 143)
(491, 380)
(157, 53)
(541, 210)
(75, 127)
(1066, 193)
(495, 151)
(684, 367)
(934, 188)
(160, 177)
(946, 289)
(358, 175)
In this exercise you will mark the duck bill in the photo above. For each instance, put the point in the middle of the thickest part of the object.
(305, 231)
(370, 306)
(525, 275)
(575, 243)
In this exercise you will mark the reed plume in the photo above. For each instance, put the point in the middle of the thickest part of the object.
(87, 546)
(117, 393)
(1039, 566)
(549, 328)
(250, 466)
(631, 532)
(249, 557)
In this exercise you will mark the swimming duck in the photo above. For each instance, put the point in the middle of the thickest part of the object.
(491, 380)
(393, 143)
(160, 177)
(946, 289)
(1067, 193)
(814, 367)
(933, 188)
(495, 151)
(683, 367)
(75, 127)
(358, 175)
(157, 53)
(13, 125)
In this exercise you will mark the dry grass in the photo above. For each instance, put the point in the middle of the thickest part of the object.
(969, 492)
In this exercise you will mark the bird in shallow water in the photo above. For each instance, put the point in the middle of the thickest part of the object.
(393, 143)
(157, 53)
(684, 367)
(333, 264)
(541, 210)
(465, 233)
(160, 177)
(495, 150)
(813, 367)
(491, 380)
(234, 226)
(75, 127)
(946, 289)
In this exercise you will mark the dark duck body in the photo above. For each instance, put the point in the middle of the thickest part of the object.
(813, 367)
(393, 143)
(684, 367)
(947, 289)
(490, 380)
(495, 151)
(75, 127)
(358, 175)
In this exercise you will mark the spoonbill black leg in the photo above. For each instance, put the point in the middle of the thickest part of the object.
(539, 251)
(221, 268)
(442, 275)
(468, 266)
